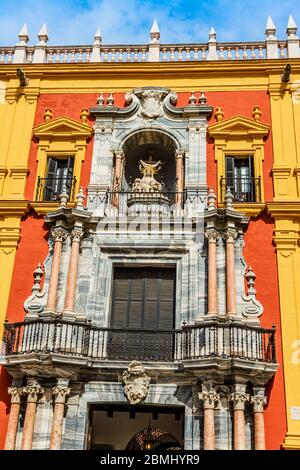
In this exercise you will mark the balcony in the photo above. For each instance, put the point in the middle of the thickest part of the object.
(49, 189)
(244, 190)
(212, 340)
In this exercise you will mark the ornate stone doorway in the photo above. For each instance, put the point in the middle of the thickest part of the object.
(116, 426)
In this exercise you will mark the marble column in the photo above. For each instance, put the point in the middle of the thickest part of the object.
(13, 420)
(259, 401)
(33, 392)
(210, 398)
(239, 397)
(59, 236)
(212, 237)
(60, 393)
(76, 236)
(118, 173)
(230, 272)
(179, 177)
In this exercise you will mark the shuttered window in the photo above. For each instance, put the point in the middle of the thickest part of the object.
(240, 178)
(143, 299)
(59, 174)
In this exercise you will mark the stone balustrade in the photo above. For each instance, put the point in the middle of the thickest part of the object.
(154, 51)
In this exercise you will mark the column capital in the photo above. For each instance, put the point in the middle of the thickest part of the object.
(33, 392)
(230, 235)
(119, 153)
(212, 236)
(16, 394)
(239, 399)
(179, 154)
(259, 402)
(76, 234)
(60, 393)
(59, 234)
(210, 398)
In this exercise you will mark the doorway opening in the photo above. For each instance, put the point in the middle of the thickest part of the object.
(140, 427)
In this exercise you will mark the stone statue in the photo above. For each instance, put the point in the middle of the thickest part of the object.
(147, 183)
(136, 383)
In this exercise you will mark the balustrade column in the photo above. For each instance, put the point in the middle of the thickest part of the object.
(60, 392)
(13, 420)
(59, 236)
(230, 272)
(212, 237)
(209, 398)
(259, 401)
(179, 177)
(76, 236)
(33, 392)
(239, 398)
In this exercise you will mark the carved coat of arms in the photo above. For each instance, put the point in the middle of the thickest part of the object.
(151, 106)
(136, 383)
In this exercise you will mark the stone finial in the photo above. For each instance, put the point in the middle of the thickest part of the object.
(202, 99)
(252, 307)
(219, 114)
(97, 37)
(23, 35)
(43, 35)
(212, 35)
(101, 100)
(84, 115)
(110, 100)
(292, 28)
(37, 300)
(80, 198)
(256, 114)
(293, 49)
(211, 200)
(192, 99)
(250, 277)
(48, 114)
(37, 276)
(229, 199)
(154, 32)
(270, 29)
(64, 197)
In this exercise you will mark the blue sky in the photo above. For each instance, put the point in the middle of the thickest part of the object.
(129, 21)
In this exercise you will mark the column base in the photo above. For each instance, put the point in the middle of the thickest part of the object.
(291, 442)
(49, 314)
(70, 315)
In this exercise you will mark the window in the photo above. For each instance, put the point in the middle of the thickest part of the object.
(61, 150)
(142, 300)
(239, 146)
(59, 176)
(240, 178)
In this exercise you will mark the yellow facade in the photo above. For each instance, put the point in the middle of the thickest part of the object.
(17, 111)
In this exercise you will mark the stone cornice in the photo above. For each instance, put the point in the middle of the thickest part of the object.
(13, 208)
(283, 209)
(43, 208)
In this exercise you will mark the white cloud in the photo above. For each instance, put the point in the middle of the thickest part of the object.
(129, 21)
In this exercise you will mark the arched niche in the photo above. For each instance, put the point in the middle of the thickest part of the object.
(150, 145)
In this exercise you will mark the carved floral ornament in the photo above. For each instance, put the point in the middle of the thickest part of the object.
(136, 383)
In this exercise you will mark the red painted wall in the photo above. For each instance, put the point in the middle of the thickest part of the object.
(259, 251)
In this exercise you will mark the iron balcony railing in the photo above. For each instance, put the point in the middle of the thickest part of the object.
(49, 189)
(243, 189)
(211, 340)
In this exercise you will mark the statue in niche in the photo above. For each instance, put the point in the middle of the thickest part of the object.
(148, 183)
